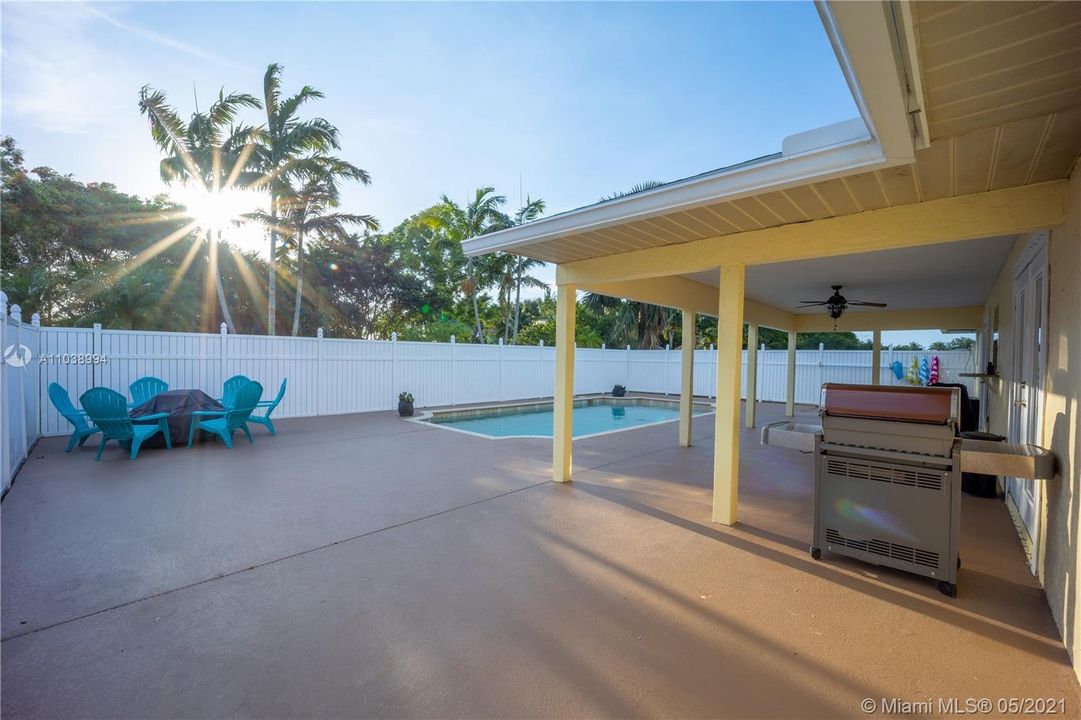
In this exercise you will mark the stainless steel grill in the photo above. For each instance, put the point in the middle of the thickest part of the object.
(888, 474)
(888, 478)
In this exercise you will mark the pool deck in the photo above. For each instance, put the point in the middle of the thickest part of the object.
(362, 566)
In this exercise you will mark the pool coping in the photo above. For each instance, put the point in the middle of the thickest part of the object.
(426, 416)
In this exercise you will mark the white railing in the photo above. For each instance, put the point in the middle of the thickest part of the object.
(329, 376)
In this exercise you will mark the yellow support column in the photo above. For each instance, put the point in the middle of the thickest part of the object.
(729, 366)
(686, 386)
(752, 374)
(876, 358)
(564, 384)
(790, 394)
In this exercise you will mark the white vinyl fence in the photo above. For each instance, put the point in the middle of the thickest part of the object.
(20, 395)
(330, 376)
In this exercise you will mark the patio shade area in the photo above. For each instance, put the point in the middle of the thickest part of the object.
(366, 566)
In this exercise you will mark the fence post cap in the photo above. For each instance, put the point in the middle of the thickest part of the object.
(35, 320)
(542, 342)
(97, 326)
(394, 337)
(3, 299)
(668, 346)
(500, 341)
(628, 346)
(319, 333)
(452, 339)
(16, 311)
(224, 329)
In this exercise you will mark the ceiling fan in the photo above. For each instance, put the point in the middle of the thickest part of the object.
(836, 304)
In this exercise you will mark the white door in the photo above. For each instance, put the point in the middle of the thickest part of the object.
(1026, 382)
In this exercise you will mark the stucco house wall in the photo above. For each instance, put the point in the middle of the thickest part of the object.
(1061, 558)
(1059, 552)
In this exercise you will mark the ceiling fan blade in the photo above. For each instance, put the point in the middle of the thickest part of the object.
(813, 302)
(807, 305)
(867, 304)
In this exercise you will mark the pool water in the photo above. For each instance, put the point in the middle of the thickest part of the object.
(537, 420)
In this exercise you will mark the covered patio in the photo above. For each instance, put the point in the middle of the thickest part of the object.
(309, 585)
(954, 197)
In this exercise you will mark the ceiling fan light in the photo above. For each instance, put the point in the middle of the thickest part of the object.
(835, 310)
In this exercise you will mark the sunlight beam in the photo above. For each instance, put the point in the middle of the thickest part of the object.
(151, 252)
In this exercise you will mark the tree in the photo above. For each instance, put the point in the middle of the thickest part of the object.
(830, 341)
(206, 152)
(363, 286)
(437, 265)
(539, 323)
(309, 212)
(643, 323)
(628, 321)
(64, 244)
(957, 343)
(480, 215)
(291, 150)
(909, 346)
(527, 213)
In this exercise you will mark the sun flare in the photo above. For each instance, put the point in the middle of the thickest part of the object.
(223, 214)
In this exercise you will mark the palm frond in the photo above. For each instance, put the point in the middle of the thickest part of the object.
(636, 188)
(272, 91)
(315, 135)
(225, 108)
(530, 211)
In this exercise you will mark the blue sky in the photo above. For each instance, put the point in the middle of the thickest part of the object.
(577, 100)
(567, 101)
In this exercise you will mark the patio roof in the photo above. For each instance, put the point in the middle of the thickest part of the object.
(997, 85)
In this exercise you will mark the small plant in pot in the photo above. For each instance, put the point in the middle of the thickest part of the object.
(405, 404)
(618, 391)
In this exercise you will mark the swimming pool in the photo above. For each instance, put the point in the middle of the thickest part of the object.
(592, 416)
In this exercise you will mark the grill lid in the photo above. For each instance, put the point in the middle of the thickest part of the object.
(927, 405)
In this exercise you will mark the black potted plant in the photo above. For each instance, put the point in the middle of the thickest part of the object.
(405, 404)
(618, 391)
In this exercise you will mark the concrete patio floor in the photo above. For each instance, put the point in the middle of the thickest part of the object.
(366, 566)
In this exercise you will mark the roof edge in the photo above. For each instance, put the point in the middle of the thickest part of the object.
(769, 173)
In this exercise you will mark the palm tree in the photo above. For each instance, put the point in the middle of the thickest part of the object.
(208, 152)
(309, 213)
(481, 215)
(643, 322)
(527, 213)
(291, 150)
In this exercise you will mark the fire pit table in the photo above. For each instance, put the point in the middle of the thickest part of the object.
(179, 404)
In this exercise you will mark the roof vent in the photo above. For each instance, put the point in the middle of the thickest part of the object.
(853, 130)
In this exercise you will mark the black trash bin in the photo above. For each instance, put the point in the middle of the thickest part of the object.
(977, 484)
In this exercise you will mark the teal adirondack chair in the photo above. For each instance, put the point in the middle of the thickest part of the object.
(109, 411)
(269, 406)
(226, 422)
(146, 388)
(62, 402)
(228, 394)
